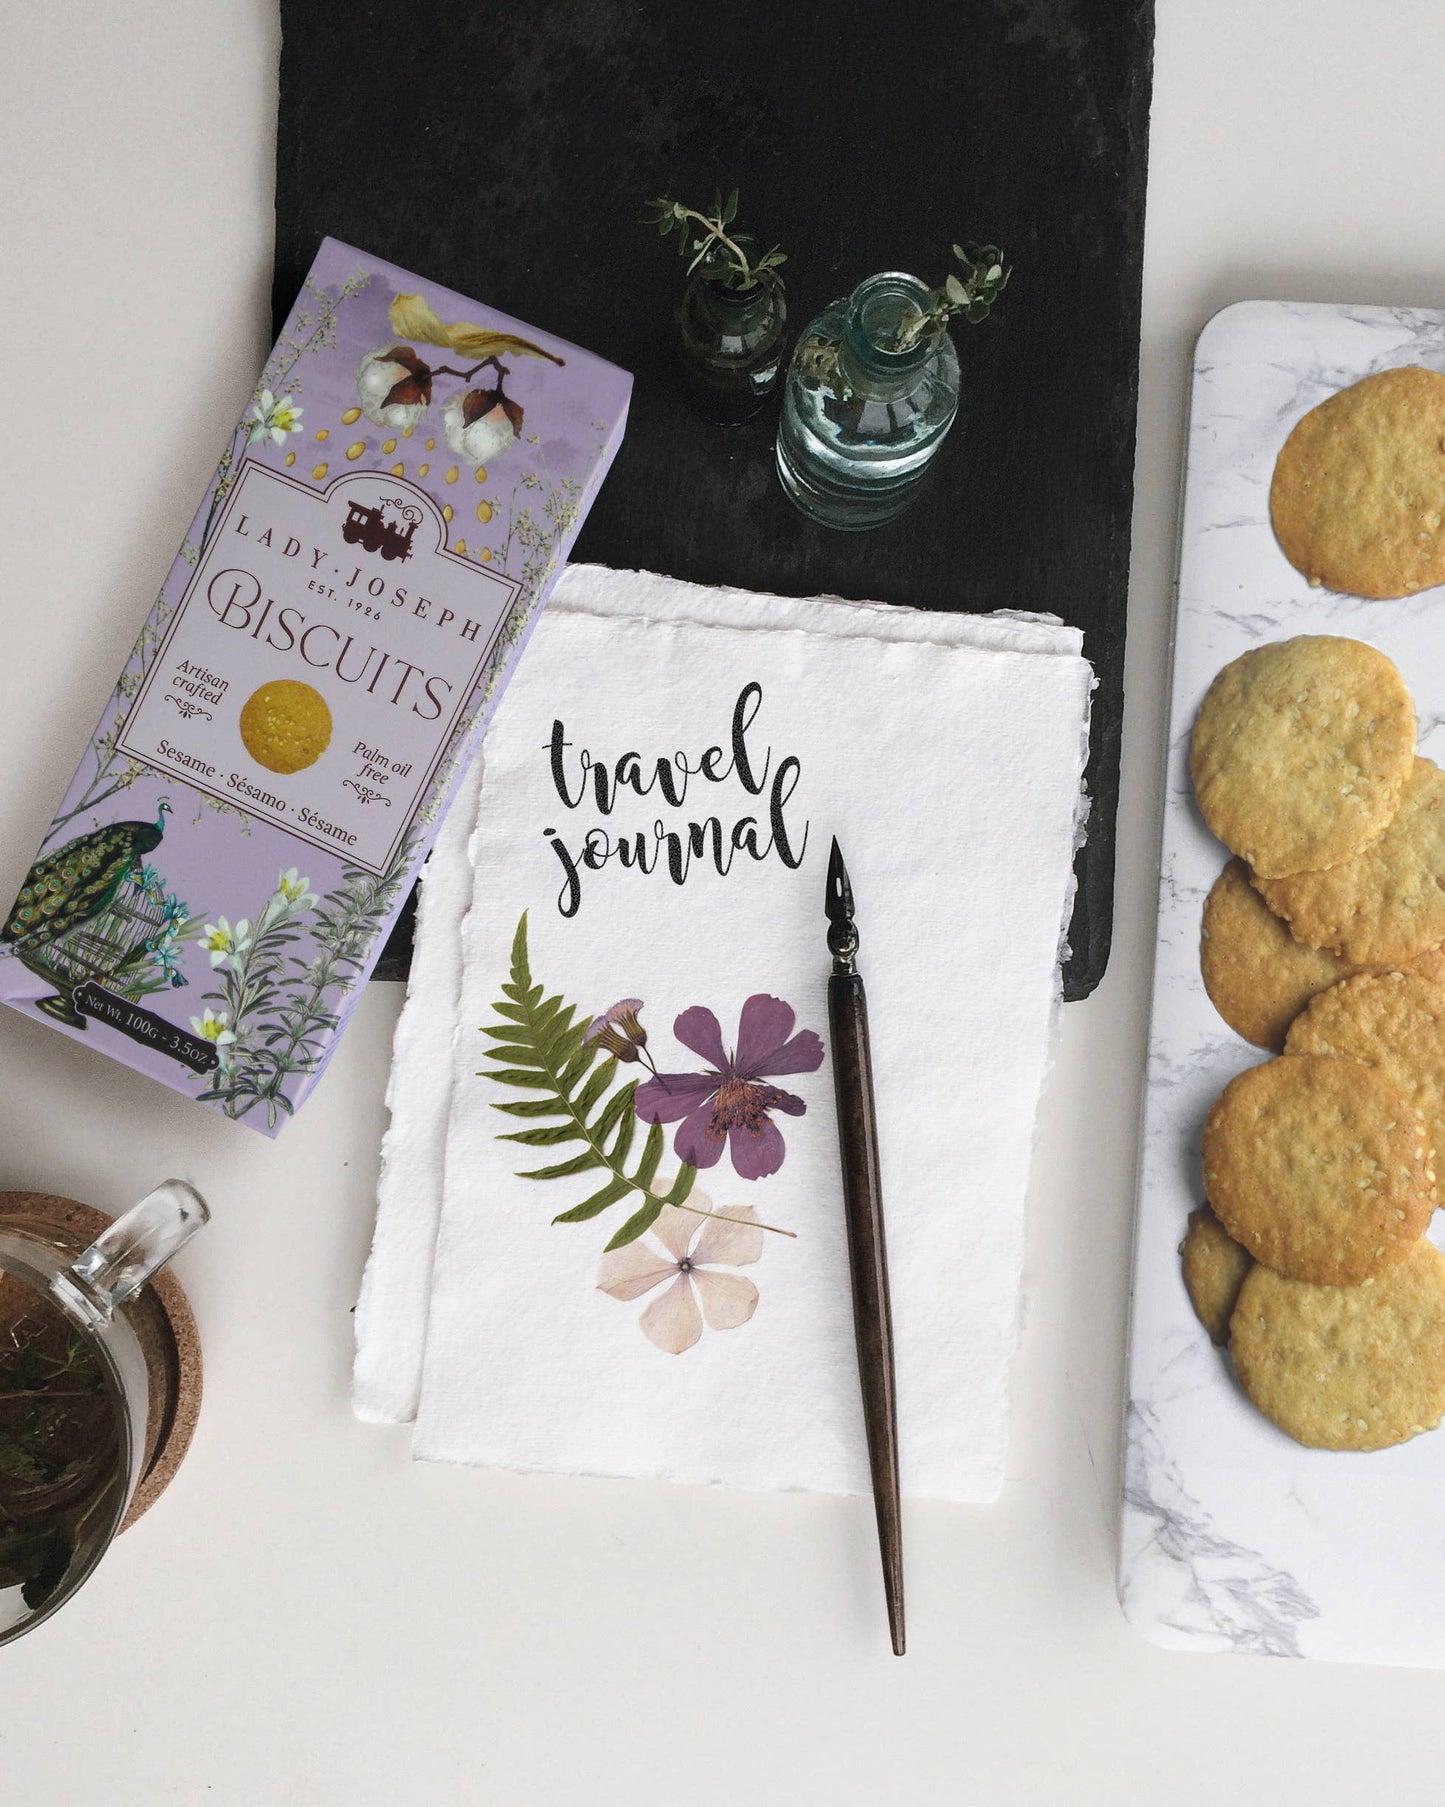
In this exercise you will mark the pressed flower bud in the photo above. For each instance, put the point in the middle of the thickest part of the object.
(619, 1031)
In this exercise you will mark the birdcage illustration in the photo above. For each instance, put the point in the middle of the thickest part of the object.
(127, 947)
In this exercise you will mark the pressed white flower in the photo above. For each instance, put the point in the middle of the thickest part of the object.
(481, 424)
(274, 418)
(393, 386)
(695, 1251)
(213, 1027)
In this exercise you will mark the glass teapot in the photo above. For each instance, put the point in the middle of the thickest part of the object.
(74, 1396)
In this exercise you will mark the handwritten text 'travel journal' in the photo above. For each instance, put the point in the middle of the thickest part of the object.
(586, 781)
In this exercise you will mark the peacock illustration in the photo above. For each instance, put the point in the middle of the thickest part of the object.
(79, 880)
(95, 909)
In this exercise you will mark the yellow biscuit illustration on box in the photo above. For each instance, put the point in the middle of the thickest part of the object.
(286, 725)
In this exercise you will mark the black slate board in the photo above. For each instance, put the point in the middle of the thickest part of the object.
(506, 152)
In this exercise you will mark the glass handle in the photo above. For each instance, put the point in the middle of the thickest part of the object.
(126, 1253)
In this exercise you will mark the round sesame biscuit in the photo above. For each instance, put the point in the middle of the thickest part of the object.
(1214, 1269)
(1300, 750)
(286, 725)
(1259, 978)
(1358, 494)
(1386, 905)
(1395, 1024)
(1319, 1167)
(1257, 975)
(1346, 1367)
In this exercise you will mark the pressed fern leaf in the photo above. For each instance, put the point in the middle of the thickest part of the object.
(540, 1046)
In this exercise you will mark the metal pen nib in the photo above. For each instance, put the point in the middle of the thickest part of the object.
(838, 904)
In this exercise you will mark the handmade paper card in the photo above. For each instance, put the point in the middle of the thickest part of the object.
(391, 1312)
(641, 1266)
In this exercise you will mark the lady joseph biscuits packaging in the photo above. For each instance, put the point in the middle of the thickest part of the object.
(324, 655)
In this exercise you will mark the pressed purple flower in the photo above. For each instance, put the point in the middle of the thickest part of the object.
(733, 1103)
(619, 1032)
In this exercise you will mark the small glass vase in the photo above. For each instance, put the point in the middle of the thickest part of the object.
(863, 415)
(733, 342)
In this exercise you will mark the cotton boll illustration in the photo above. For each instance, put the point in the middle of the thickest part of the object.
(481, 424)
(393, 386)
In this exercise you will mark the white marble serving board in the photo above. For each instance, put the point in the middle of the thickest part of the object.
(1233, 1536)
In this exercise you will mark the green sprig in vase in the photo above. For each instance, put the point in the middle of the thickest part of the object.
(733, 344)
(873, 391)
(733, 316)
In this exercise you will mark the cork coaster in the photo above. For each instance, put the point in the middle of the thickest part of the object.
(164, 1326)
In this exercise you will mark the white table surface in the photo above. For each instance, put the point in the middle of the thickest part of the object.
(308, 1617)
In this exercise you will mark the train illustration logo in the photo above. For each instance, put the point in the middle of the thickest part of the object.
(369, 528)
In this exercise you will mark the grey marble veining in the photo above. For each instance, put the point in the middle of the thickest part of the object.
(1201, 1586)
(1233, 1537)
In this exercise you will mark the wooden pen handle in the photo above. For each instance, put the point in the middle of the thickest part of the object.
(868, 1264)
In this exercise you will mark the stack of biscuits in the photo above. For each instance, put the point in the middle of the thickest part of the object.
(1324, 942)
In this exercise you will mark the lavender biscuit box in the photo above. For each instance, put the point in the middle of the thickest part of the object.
(322, 660)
